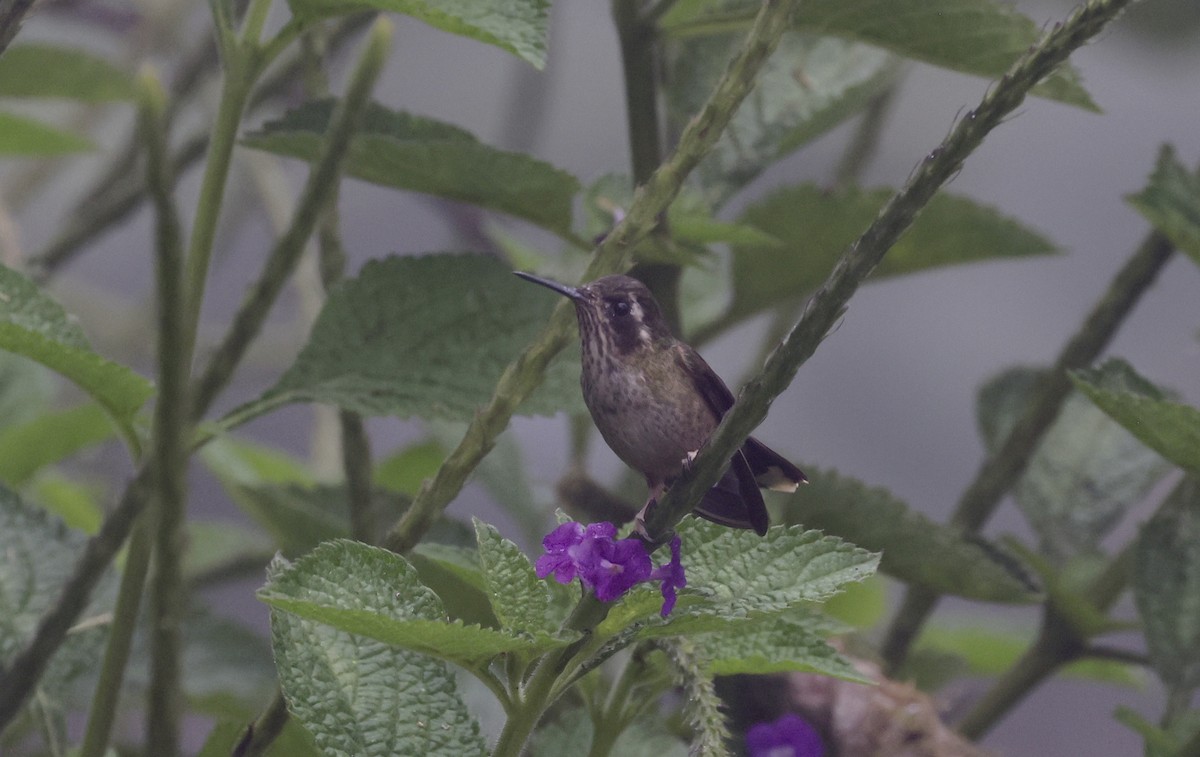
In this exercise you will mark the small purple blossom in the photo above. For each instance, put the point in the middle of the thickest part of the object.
(672, 576)
(605, 564)
(789, 736)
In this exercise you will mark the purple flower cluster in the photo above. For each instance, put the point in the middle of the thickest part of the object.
(789, 736)
(607, 565)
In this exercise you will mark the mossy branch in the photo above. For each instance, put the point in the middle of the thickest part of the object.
(650, 201)
(829, 301)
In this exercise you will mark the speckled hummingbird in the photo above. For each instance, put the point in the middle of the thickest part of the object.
(656, 401)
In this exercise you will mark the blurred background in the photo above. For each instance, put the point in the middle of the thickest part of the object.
(888, 398)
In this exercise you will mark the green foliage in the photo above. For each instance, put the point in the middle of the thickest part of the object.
(1169, 428)
(817, 226)
(424, 336)
(340, 584)
(992, 649)
(519, 599)
(572, 733)
(973, 36)
(27, 138)
(404, 151)
(37, 555)
(776, 645)
(37, 327)
(39, 70)
(27, 448)
(913, 548)
(736, 575)
(808, 86)
(404, 471)
(1171, 201)
(1166, 584)
(1087, 471)
(518, 26)
(349, 691)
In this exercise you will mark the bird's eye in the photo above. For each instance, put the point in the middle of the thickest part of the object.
(620, 308)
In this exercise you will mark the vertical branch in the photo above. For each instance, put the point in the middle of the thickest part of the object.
(168, 604)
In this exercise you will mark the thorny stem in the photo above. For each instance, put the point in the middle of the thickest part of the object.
(649, 201)
(829, 301)
(1000, 471)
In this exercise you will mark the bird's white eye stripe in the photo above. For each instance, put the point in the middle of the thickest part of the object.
(635, 309)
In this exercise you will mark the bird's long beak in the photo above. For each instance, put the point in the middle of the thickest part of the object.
(562, 289)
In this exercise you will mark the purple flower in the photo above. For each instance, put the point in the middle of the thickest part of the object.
(789, 736)
(672, 576)
(607, 565)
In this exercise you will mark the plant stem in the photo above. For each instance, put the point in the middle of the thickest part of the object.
(315, 195)
(649, 201)
(1002, 469)
(234, 92)
(638, 64)
(863, 145)
(168, 603)
(120, 639)
(1058, 643)
(12, 13)
(260, 734)
(829, 301)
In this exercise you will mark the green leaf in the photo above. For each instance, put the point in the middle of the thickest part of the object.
(407, 469)
(240, 461)
(424, 336)
(520, 600)
(572, 733)
(776, 645)
(808, 86)
(293, 741)
(39, 70)
(819, 225)
(25, 137)
(357, 697)
(517, 26)
(1171, 201)
(37, 327)
(404, 151)
(914, 548)
(972, 36)
(27, 448)
(78, 505)
(453, 574)
(1086, 472)
(860, 605)
(374, 593)
(1169, 428)
(1166, 587)
(734, 575)
(218, 545)
(26, 389)
(37, 556)
(993, 649)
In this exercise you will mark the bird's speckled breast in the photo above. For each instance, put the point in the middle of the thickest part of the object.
(648, 413)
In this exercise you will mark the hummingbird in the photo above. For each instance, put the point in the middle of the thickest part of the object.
(656, 401)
